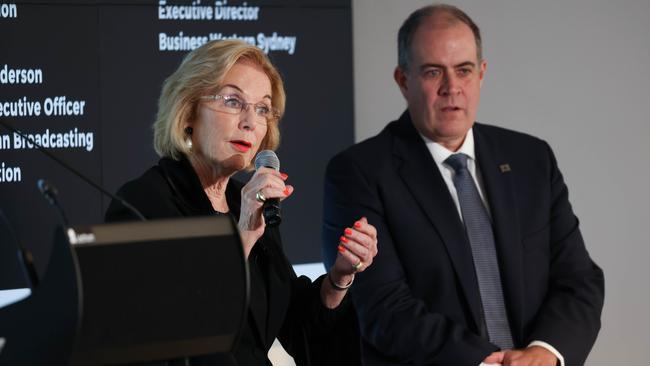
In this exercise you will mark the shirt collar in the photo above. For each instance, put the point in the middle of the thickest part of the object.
(441, 153)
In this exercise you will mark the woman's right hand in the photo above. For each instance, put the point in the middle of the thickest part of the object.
(266, 183)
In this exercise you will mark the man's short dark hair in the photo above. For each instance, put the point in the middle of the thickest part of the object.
(411, 24)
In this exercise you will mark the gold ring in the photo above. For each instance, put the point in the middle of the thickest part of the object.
(357, 266)
(260, 197)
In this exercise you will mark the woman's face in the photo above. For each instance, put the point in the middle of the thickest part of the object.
(224, 135)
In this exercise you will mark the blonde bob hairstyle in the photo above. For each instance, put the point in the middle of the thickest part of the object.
(201, 73)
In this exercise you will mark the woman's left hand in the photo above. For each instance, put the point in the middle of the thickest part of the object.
(357, 249)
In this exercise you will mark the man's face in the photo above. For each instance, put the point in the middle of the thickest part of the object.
(442, 85)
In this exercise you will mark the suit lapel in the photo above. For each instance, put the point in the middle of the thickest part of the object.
(498, 183)
(420, 174)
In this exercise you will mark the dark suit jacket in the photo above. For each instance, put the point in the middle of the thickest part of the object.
(419, 302)
(282, 305)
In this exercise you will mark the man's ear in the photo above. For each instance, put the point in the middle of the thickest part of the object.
(400, 78)
(481, 72)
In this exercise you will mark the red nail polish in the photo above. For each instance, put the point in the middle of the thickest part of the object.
(286, 191)
(357, 224)
(341, 249)
(284, 176)
(348, 231)
(344, 239)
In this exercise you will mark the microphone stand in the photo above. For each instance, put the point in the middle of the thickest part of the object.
(74, 171)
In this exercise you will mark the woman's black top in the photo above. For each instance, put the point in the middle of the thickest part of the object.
(282, 305)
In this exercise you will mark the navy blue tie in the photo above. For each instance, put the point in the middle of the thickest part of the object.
(481, 238)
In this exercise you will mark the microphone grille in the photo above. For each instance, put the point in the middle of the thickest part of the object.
(267, 159)
(42, 186)
(46, 188)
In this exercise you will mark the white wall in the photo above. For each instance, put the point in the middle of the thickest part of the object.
(576, 73)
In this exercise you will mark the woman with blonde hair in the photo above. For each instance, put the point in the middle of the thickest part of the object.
(215, 112)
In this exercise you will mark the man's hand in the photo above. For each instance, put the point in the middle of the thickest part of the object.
(495, 358)
(531, 356)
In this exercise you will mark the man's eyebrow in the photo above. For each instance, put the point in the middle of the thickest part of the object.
(439, 66)
(466, 63)
(241, 91)
(427, 66)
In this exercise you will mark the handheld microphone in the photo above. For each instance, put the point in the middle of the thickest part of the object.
(74, 171)
(50, 193)
(271, 207)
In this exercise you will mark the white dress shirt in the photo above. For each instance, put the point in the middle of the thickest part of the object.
(440, 154)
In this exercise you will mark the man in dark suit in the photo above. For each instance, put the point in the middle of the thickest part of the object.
(481, 260)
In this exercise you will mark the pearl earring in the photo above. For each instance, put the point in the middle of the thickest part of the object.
(188, 138)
